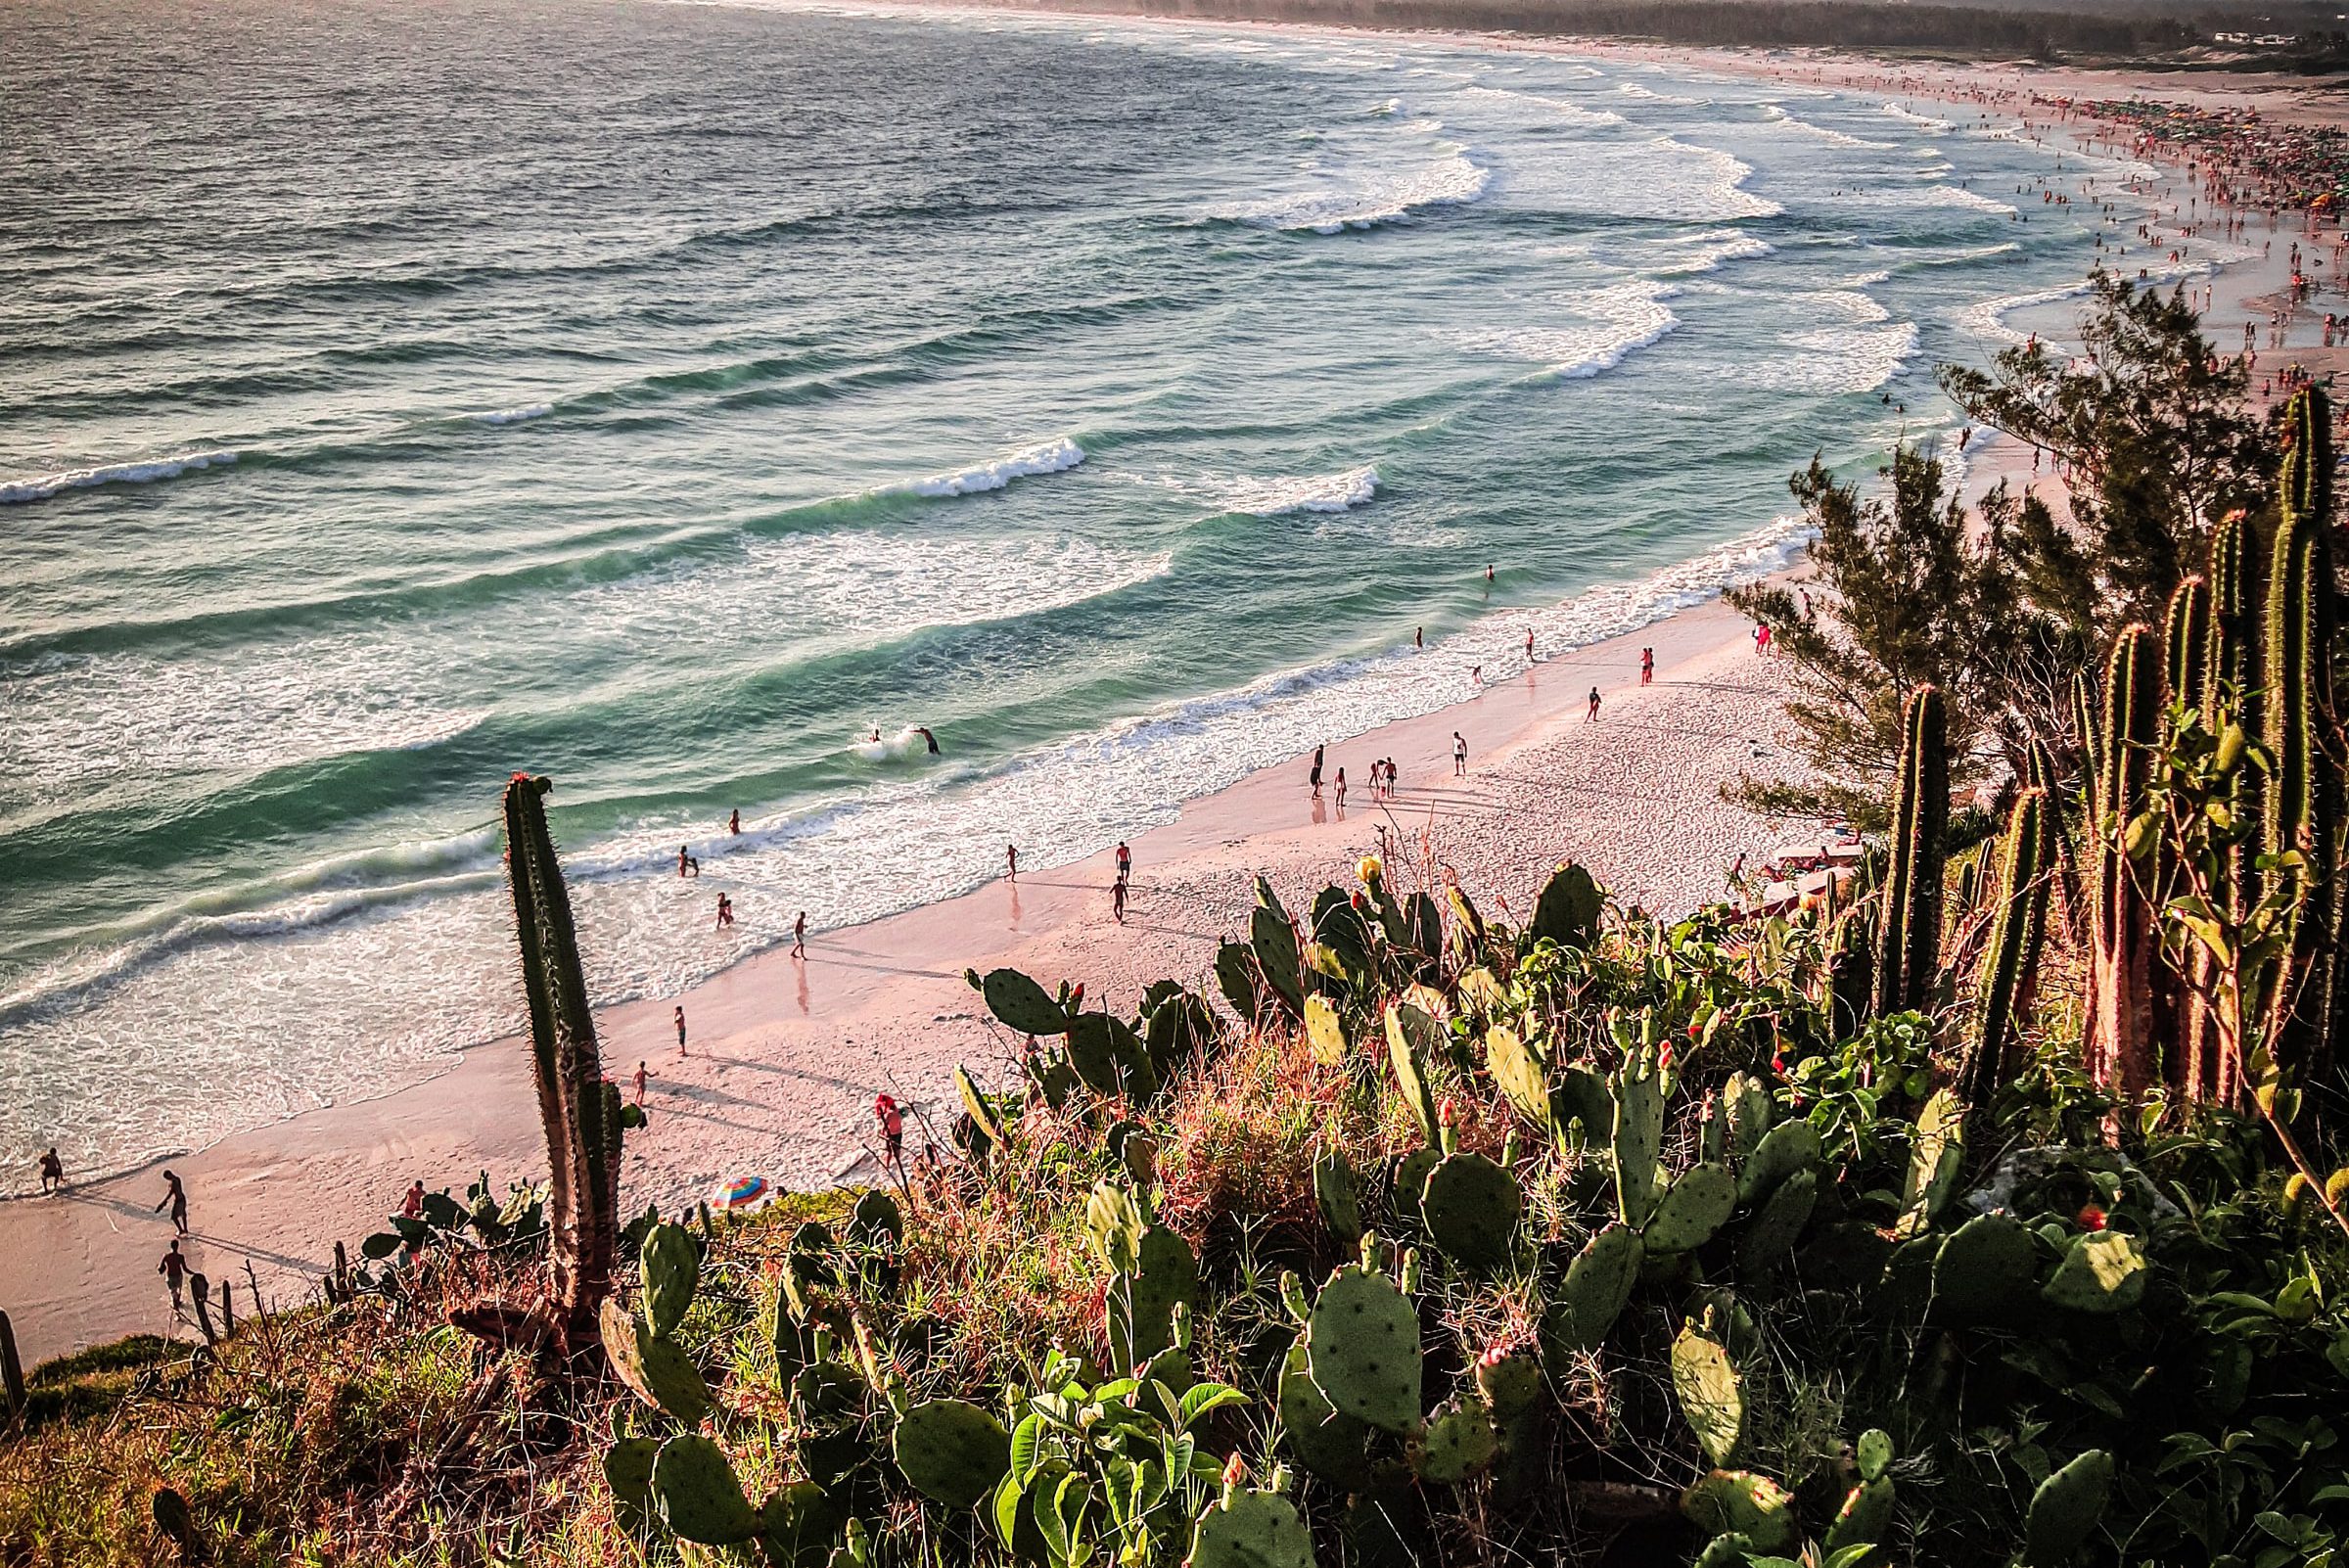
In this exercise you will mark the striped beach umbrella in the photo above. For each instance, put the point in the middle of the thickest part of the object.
(740, 1193)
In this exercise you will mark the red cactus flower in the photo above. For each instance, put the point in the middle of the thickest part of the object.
(1663, 1055)
(2092, 1217)
(1445, 1113)
(1778, 1064)
(1235, 1470)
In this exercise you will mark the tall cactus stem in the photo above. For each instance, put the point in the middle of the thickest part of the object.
(1910, 950)
(2122, 1038)
(2010, 973)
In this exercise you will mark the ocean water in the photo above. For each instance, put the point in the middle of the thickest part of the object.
(671, 397)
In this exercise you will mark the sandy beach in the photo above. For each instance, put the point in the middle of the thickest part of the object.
(784, 1056)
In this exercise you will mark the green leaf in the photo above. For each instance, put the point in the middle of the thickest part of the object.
(1205, 1397)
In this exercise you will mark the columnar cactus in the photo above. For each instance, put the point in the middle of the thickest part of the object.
(2186, 640)
(2304, 792)
(2122, 1040)
(1909, 948)
(2007, 976)
(580, 1108)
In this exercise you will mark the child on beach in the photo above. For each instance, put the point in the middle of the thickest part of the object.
(53, 1173)
(1340, 789)
(726, 911)
(175, 1198)
(1594, 713)
(642, 1072)
(680, 1030)
(411, 1207)
(892, 1127)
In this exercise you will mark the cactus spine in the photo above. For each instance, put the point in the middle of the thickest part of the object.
(580, 1109)
(2122, 1023)
(2024, 862)
(2303, 805)
(1910, 950)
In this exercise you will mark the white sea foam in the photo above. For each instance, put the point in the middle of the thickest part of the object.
(1549, 109)
(1926, 196)
(1611, 324)
(1045, 457)
(1633, 89)
(1986, 319)
(1707, 253)
(143, 473)
(1926, 122)
(515, 416)
(1774, 115)
(1311, 493)
(1656, 177)
(1849, 358)
(1348, 198)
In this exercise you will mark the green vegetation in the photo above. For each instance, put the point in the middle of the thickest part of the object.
(1983, 1209)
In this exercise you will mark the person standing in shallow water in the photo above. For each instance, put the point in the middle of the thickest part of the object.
(799, 935)
(175, 1198)
(734, 823)
(1011, 863)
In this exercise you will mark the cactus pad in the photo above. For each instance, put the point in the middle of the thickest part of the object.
(1093, 1055)
(1874, 1455)
(699, 1496)
(2067, 1510)
(1410, 1179)
(1567, 911)
(1457, 1442)
(1470, 1209)
(1325, 1032)
(1509, 1386)
(1986, 1270)
(954, 1452)
(1273, 940)
(1638, 1135)
(1021, 1005)
(1362, 1349)
(1710, 1394)
(1252, 1530)
(1752, 1505)
(1412, 1034)
(1698, 1205)
(672, 1264)
(1746, 1105)
(1518, 1074)
(1785, 1149)
(1771, 1234)
(1597, 1283)
(628, 1473)
(1864, 1517)
(654, 1368)
(975, 1105)
(1328, 1443)
(1337, 1194)
(2104, 1271)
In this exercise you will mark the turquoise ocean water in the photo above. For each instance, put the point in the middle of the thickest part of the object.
(667, 398)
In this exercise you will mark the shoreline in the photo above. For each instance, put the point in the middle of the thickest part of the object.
(779, 1079)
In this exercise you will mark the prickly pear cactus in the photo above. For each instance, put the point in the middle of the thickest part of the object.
(954, 1452)
(1338, 1194)
(1567, 911)
(1784, 1150)
(1274, 939)
(1235, 978)
(1457, 1442)
(975, 1105)
(653, 1367)
(1986, 1272)
(1141, 1303)
(700, 1498)
(1598, 1284)
(1770, 1235)
(1362, 1348)
(672, 1265)
(1746, 1106)
(628, 1473)
(1094, 1056)
(1412, 1038)
(1519, 1074)
(1698, 1205)
(1639, 1137)
(1325, 1032)
(2067, 1510)
(2102, 1271)
(1864, 1519)
(1325, 1441)
(1934, 1157)
(1021, 1005)
(1252, 1530)
(1410, 1179)
(1470, 1210)
(1712, 1398)
(1747, 1504)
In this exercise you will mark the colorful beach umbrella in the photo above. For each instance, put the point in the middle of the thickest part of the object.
(740, 1193)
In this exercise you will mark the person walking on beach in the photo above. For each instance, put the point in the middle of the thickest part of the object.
(1594, 713)
(726, 911)
(175, 1198)
(1459, 756)
(1312, 774)
(1011, 863)
(53, 1173)
(174, 1270)
(1117, 899)
(1648, 666)
(642, 1072)
(681, 1017)
(892, 1127)
(1126, 857)
(798, 935)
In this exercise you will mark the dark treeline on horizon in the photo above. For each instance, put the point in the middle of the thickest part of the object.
(2138, 33)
